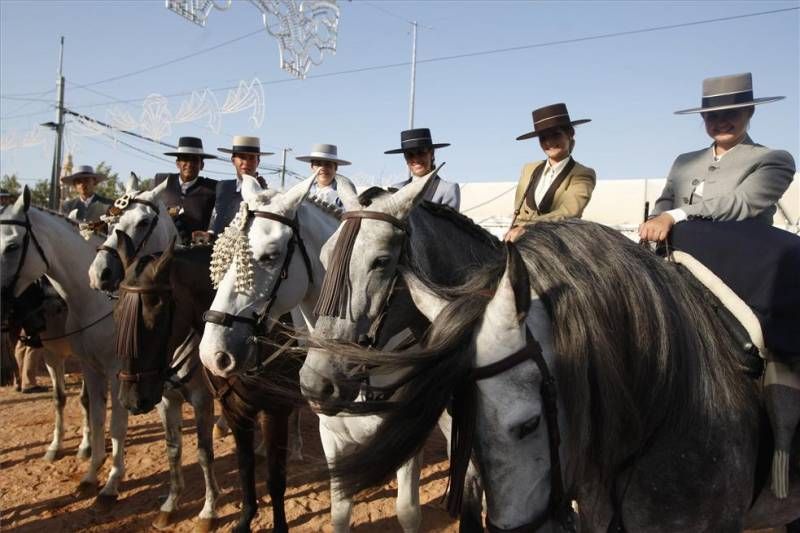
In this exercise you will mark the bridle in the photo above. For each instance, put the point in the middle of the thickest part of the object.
(258, 321)
(559, 507)
(122, 203)
(26, 240)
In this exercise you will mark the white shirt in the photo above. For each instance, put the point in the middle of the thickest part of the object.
(87, 201)
(678, 214)
(549, 174)
(185, 185)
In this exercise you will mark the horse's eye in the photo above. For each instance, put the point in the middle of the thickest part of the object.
(528, 427)
(381, 262)
(268, 258)
(142, 223)
(12, 248)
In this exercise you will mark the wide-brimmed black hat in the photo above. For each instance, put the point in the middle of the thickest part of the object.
(551, 116)
(192, 146)
(414, 140)
(728, 92)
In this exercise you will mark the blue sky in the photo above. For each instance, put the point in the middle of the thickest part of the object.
(629, 85)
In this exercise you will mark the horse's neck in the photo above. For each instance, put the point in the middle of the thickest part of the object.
(316, 227)
(69, 256)
(444, 249)
(192, 283)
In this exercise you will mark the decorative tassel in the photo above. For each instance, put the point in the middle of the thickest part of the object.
(334, 294)
(128, 311)
(462, 433)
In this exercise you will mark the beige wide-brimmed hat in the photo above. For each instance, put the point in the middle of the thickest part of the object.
(728, 92)
(323, 152)
(83, 171)
(243, 144)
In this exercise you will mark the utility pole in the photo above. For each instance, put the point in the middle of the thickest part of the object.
(283, 166)
(55, 183)
(413, 73)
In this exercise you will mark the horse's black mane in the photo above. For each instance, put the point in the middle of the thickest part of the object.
(639, 356)
(456, 217)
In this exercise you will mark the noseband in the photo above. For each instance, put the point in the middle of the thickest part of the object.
(120, 204)
(559, 507)
(257, 322)
(29, 236)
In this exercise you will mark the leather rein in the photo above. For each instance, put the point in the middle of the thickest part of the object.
(257, 322)
(26, 240)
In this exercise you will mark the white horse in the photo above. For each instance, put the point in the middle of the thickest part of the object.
(226, 351)
(145, 219)
(37, 243)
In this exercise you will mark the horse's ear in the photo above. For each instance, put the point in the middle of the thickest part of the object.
(23, 202)
(125, 248)
(347, 193)
(403, 201)
(158, 189)
(509, 305)
(250, 188)
(161, 266)
(132, 184)
(517, 274)
(292, 198)
(428, 303)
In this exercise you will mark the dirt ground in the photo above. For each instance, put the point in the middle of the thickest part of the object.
(39, 496)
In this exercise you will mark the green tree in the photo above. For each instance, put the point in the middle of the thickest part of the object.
(40, 193)
(11, 184)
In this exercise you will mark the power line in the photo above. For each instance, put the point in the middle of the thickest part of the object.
(23, 98)
(170, 62)
(479, 53)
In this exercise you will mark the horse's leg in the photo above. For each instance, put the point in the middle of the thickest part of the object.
(275, 435)
(407, 503)
(119, 428)
(243, 434)
(472, 504)
(203, 404)
(169, 409)
(221, 427)
(295, 437)
(55, 367)
(85, 447)
(341, 505)
(96, 389)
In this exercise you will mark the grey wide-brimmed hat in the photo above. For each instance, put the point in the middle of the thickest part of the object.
(728, 92)
(190, 146)
(83, 171)
(323, 152)
(243, 144)
(551, 116)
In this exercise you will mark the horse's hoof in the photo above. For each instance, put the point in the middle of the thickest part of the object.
(104, 502)
(219, 433)
(85, 453)
(163, 520)
(204, 525)
(51, 455)
(86, 490)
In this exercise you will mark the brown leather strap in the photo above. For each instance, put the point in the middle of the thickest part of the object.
(146, 289)
(377, 215)
(547, 202)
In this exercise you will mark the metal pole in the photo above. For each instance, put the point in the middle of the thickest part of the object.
(55, 182)
(413, 74)
(283, 167)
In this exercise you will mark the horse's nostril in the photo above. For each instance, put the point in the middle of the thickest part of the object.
(105, 275)
(328, 390)
(224, 361)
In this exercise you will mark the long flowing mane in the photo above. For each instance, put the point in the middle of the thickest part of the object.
(638, 355)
